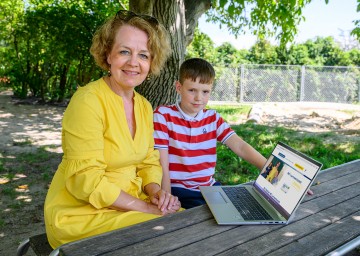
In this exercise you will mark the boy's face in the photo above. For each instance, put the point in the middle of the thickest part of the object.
(194, 95)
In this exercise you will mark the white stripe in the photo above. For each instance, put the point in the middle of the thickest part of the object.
(193, 146)
(161, 135)
(190, 175)
(191, 160)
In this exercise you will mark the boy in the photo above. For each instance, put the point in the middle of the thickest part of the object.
(186, 135)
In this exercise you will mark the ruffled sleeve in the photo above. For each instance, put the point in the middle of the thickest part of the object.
(83, 146)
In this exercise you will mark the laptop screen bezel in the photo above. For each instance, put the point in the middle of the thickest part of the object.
(273, 202)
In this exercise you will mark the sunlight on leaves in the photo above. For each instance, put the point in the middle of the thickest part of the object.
(6, 115)
(4, 180)
(347, 147)
(27, 199)
(19, 176)
(23, 187)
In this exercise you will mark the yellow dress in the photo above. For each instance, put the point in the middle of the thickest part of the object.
(272, 174)
(100, 160)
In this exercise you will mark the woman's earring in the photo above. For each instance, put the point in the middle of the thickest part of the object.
(148, 77)
(109, 71)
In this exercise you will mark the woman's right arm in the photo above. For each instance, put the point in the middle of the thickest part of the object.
(126, 202)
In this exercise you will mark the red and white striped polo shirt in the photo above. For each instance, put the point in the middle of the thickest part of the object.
(191, 144)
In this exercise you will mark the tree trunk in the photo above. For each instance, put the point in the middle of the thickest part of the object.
(180, 19)
(63, 79)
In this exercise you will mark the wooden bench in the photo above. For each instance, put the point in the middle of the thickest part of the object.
(39, 244)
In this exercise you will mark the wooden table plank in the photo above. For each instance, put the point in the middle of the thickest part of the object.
(179, 238)
(173, 240)
(241, 234)
(324, 240)
(338, 171)
(137, 233)
(292, 233)
(332, 209)
(329, 185)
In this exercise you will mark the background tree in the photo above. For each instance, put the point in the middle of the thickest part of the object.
(228, 55)
(266, 17)
(298, 55)
(47, 45)
(44, 44)
(324, 51)
(202, 47)
(263, 53)
(356, 31)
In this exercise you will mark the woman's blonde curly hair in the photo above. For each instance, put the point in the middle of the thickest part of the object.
(158, 44)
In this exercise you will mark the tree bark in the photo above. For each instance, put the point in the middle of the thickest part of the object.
(180, 19)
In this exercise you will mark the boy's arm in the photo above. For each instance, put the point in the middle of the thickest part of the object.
(164, 161)
(245, 151)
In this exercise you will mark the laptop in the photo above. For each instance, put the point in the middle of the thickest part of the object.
(272, 198)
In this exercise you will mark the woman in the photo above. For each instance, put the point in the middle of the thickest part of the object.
(110, 174)
(274, 172)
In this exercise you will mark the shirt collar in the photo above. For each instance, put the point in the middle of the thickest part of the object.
(187, 117)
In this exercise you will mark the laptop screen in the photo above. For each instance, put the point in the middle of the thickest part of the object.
(286, 177)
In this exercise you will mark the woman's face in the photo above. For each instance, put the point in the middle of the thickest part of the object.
(129, 58)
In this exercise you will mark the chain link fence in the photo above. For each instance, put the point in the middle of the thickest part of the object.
(280, 83)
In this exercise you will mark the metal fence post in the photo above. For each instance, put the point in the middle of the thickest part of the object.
(359, 91)
(302, 84)
(241, 85)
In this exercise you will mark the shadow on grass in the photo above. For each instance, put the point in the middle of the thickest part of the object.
(24, 180)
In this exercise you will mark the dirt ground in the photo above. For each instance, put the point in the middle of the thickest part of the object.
(32, 129)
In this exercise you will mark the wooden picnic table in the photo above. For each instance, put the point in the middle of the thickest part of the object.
(327, 222)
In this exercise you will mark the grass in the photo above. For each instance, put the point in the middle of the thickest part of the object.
(29, 169)
(231, 169)
(232, 113)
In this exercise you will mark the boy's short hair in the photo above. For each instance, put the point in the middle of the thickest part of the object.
(197, 68)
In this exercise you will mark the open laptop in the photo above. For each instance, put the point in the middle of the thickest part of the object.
(278, 190)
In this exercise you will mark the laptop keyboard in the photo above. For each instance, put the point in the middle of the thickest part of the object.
(244, 202)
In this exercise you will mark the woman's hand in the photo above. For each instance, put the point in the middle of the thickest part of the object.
(166, 202)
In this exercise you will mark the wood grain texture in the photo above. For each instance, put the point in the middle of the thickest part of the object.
(323, 222)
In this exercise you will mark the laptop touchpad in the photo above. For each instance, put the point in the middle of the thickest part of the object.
(215, 198)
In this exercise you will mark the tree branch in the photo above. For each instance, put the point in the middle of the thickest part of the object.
(193, 11)
(141, 6)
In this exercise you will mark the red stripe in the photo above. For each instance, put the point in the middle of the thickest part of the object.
(161, 142)
(160, 127)
(191, 168)
(224, 133)
(191, 153)
(192, 138)
(179, 121)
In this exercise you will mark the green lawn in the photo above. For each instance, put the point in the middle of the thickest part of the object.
(231, 169)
